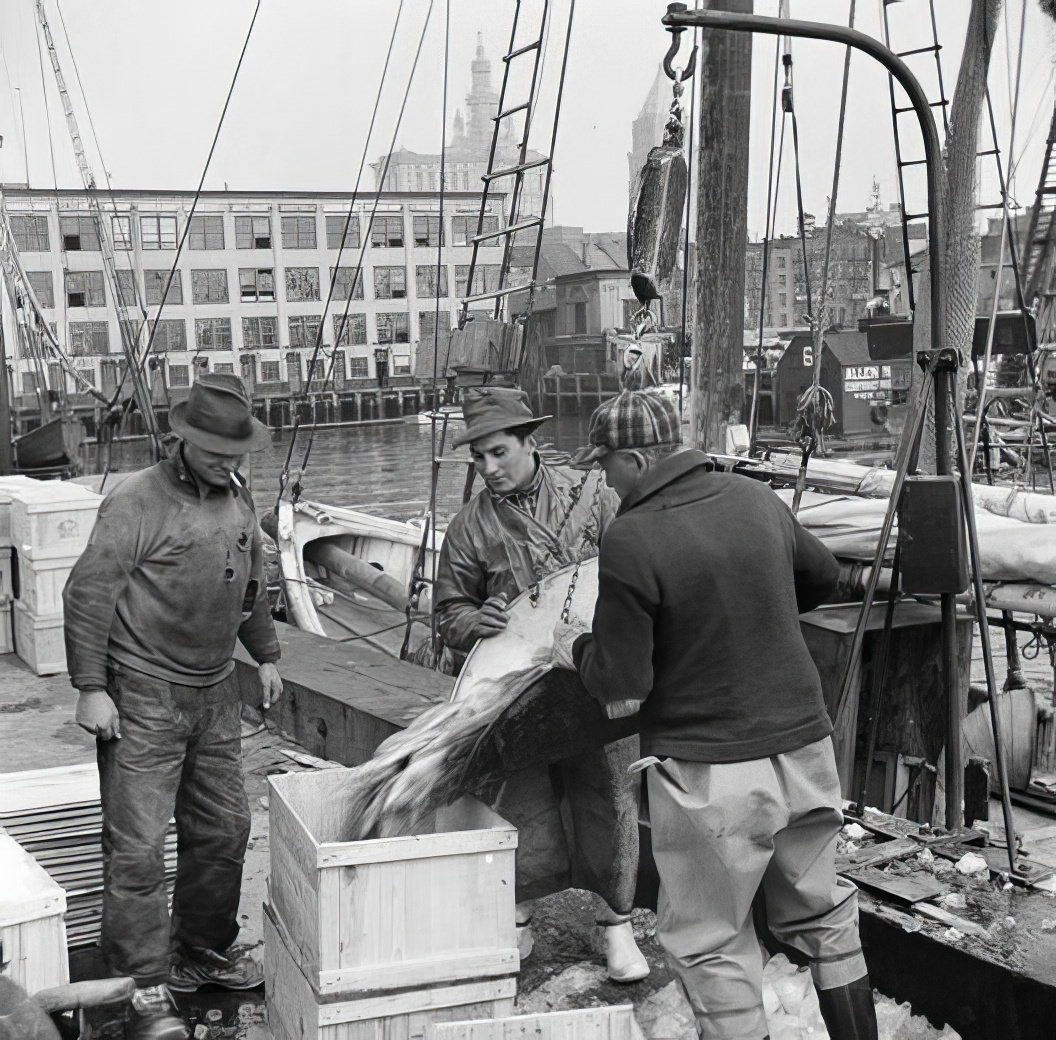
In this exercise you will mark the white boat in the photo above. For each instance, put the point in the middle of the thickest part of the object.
(446, 413)
(348, 575)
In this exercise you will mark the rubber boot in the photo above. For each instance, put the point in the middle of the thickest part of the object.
(623, 960)
(849, 1011)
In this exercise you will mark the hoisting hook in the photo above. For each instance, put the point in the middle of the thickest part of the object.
(676, 40)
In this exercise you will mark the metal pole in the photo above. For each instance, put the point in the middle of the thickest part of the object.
(678, 16)
(6, 430)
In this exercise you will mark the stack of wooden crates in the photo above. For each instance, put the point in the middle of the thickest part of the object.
(371, 939)
(50, 521)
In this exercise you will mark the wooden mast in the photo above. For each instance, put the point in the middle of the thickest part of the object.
(6, 451)
(722, 230)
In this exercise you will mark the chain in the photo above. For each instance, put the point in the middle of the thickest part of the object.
(574, 495)
(566, 610)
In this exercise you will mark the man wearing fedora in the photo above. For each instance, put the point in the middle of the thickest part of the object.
(172, 575)
(578, 820)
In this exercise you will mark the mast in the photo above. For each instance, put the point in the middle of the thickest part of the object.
(722, 224)
(130, 333)
(6, 452)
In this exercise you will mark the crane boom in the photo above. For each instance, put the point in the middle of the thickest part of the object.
(130, 333)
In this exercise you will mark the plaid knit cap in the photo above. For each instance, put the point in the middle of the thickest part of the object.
(633, 419)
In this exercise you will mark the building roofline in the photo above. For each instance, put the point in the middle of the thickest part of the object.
(122, 193)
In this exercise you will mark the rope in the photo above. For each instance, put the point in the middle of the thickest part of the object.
(153, 328)
(772, 185)
(364, 238)
(814, 409)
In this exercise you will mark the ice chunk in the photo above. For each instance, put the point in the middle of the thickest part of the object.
(972, 863)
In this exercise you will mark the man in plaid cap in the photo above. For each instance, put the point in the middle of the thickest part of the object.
(578, 820)
(702, 577)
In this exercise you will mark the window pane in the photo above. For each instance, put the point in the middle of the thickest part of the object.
(302, 283)
(393, 328)
(43, 286)
(170, 334)
(158, 232)
(335, 226)
(122, 232)
(154, 282)
(298, 232)
(269, 372)
(256, 283)
(209, 286)
(259, 332)
(85, 289)
(179, 375)
(427, 231)
(353, 332)
(89, 337)
(304, 330)
(358, 368)
(387, 232)
(425, 280)
(126, 288)
(390, 283)
(207, 232)
(212, 333)
(345, 275)
(253, 232)
(31, 233)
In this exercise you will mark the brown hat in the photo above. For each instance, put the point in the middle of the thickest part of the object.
(489, 409)
(633, 419)
(217, 416)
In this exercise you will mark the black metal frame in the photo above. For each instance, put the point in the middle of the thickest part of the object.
(940, 364)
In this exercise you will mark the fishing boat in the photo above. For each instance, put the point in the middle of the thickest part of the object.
(350, 575)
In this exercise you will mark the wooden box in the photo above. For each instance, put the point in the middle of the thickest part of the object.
(39, 641)
(610, 1022)
(32, 932)
(7, 632)
(297, 1012)
(52, 520)
(364, 916)
(7, 569)
(40, 583)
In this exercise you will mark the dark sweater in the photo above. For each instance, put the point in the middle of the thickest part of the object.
(161, 586)
(702, 577)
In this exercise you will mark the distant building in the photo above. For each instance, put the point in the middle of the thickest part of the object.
(467, 150)
(647, 130)
(250, 288)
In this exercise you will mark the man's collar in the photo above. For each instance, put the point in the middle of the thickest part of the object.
(185, 475)
(664, 472)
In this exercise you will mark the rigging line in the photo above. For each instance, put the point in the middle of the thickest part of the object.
(140, 301)
(823, 305)
(692, 107)
(771, 189)
(335, 276)
(1043, 105)
(153, 328)
(429, 526)
(364, 240)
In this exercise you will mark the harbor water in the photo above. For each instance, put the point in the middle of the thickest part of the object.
(385, 468)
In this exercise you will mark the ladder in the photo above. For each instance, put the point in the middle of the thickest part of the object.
(130, 333)
(1039, 246)
(932, 48)
(509, 179)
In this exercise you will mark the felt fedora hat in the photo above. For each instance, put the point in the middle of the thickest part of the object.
(217, 416)
(489, 409)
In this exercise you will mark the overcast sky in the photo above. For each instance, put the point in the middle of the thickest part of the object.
(155, 75)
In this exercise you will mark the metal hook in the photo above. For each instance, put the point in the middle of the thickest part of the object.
(676, 41)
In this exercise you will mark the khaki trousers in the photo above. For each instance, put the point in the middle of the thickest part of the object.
(722, 832)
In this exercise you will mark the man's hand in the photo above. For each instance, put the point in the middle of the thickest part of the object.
(97, 713)
(490, 618)
(270, 683)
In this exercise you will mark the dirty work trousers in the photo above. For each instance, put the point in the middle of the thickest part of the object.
(577, 823)
(722, 832)
(179, 755)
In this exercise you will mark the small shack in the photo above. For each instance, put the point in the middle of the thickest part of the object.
(861, 388)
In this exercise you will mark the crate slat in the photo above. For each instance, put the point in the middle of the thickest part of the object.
(600, 1023)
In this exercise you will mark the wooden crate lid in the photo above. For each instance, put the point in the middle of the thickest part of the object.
(28, 893)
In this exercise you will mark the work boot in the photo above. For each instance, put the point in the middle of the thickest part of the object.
(155, 1016)
(623, 960)
(849, 1011)
(193, 967)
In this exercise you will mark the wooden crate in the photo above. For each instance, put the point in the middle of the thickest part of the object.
(40, 583)
(52, 519)
(616, 1022)
(39, 641)
(395, 912)
(297, 1012)
(32, 933)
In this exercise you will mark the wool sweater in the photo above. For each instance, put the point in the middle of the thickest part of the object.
(163, 586)
(702, 576)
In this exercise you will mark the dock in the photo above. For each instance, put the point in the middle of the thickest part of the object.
(341, 700)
